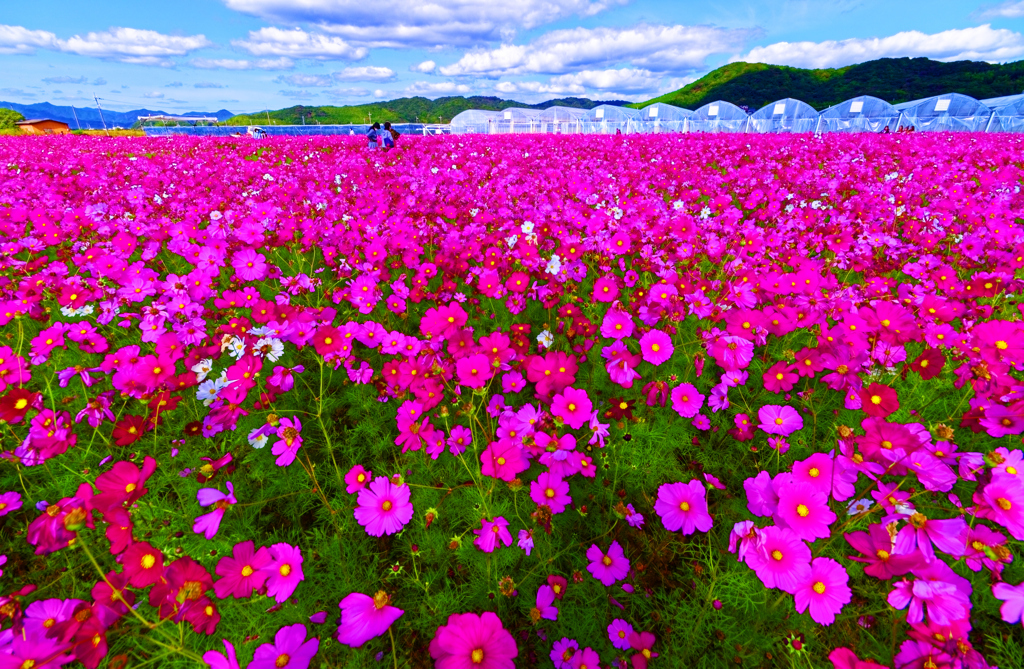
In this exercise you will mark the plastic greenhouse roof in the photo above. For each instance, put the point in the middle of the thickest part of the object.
(612, 113)
(997, 104)
(788, 108)
(475, 116)
(558, 113)
(951, 104)
(868, 106)
(719, 110)
(664, 112)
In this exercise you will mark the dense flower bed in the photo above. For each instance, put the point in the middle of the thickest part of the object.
(487, 402)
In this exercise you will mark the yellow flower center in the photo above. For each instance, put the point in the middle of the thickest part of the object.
(129, 487)
(802, 510)
(477, 655)
(606, 561)
(386, 505)
(1004, 504)
(685, 506)
(148, 561)
(246, 570)
(282, 660)
(813, 471)
(21, 404)
(777, 555)
(655, 348)
(819, 587)
(876, 399)
(285, 569)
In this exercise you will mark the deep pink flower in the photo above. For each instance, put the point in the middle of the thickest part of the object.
(656, 347)
(686, 400)
(879, 401)
(618, 633)
(804, 509)
(290, 650)
(550, 491)
(573, 406)
(545, 607)
(243, 572)
(683, 506)
(617, 324)
(356, 479)
(216, 660)
(474, 371)
(783, 420)
(208, 523)
(1012, 597)
(383, 508)
(607, 567)
(490, 532)
(824, 589)
(780, 378)
(642, 642)
(781, 559)
(290, 441)
(473, 641)
(503, 460)
(364, 617)
(285, 573)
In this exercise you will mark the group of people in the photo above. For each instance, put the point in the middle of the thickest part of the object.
(385, 138)
(900, 130)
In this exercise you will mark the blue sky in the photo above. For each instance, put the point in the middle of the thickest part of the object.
(247, 55)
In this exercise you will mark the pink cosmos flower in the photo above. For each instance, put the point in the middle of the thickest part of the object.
(779, 378)
(490, 532)
(356, 479)
(383, 508)
(249, 265)
(550, 491)
(606, 289)
(216, 660)
(545, 604)
(618, 633)
(290, 650)
(364, 617)
(285, 573)
(683, 506)
(607, 567)
(878, 401)
(10, 501)
(471, 640)
(783, 420)
(243, 572)
(474, 371)
(656, 347)
(573, 406)
(208, 524)
(460, 438)
(503, 460)
(686, 400)
(525, 541)
(642, 642)
(946, 595)
(824, 588)
(617, 324)
(288, 447)
(804, 509)
(781, 559)
(1012, 597)
(621, 365)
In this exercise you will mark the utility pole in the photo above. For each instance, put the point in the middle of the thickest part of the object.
(76, 117)
(101, 115)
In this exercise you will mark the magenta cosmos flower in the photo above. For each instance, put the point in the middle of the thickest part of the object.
(608, 567)
(550, 491)
(824, 589)
(656, 347)
(242, 572)
(208, 523)
(472, 641)
(783, 420)
(686, 400)
(290, 650)
(490, 532)
(357, 479)
(290, 442)
(474, 371)
(781, 560)
(682, 506)
(364, 617)
(383, 508)
(573, 406)
(805, 510)
(285, 573)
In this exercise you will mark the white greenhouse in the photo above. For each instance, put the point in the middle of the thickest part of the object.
(661, 117)
(475, 122)
(517, 120)
(719, 116)
(945, 113)
(562, 120)
(788, 115)
(609, 119)
(1007, 113)
(860, 114)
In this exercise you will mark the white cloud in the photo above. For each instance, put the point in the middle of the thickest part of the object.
(100, 81)
(208, 84)
(234, 64)
(155, 95)
(601, 82)
(349, 92)
(655, 47)
(979, 43)
(304, 80)
(17, 39)
(131, 45)
(1011, 9)
(403, 24)
(436, 89)
(380, 93)
(298, 43)
(426, 67)
(368, 73)
(301, 95)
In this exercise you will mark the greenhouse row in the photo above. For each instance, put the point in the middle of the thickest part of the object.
(949, 112)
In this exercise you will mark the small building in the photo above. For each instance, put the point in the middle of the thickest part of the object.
(42, 126)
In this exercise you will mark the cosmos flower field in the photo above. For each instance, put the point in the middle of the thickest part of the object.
(517, 401)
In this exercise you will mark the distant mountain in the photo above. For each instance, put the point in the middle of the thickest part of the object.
(895, 80)
(89, 117)
(407, 110)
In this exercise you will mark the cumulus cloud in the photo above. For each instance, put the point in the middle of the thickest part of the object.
(660, 48)
(17, 39)
(368, 73)
(208, 84)
(979, 43)
(236, 64)
(625, 80)
(155, 95)
(426, 67)
(131, 45)
(436, 89)
(1011, 9)
(297, 43)
(403, 24)
(380, 93)
(65, 80)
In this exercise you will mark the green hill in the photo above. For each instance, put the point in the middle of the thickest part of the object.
(8, 118)
(407, 110)
(892, 79)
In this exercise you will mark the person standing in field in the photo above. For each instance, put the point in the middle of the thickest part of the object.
(373, 135)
